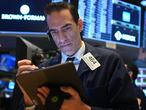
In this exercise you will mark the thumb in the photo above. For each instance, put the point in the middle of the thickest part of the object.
(71, 91)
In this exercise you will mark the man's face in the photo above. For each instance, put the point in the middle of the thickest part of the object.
(65, 32)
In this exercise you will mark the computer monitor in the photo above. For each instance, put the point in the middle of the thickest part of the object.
(144, 31)
(23, 17)
(141, 79)
(26, 49)
(111, 20)
(34, 48)
(7, 72)
(7, 62)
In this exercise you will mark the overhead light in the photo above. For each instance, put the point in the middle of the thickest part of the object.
(143, 2)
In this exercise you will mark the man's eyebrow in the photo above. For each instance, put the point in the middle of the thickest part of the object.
(66, 25)
(61, 27)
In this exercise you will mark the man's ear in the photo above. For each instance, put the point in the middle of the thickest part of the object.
(80, 24)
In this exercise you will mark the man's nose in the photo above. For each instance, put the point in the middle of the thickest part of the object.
(61, 36)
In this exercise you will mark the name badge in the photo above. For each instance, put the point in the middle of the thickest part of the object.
(90, 60)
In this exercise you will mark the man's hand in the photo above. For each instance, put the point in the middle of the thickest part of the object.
(43, 93)
(24, 67)
(74, 102)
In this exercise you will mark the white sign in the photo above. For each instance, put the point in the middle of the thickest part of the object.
(22, 17)
(24, 9)
(119, 36)
(91, 61)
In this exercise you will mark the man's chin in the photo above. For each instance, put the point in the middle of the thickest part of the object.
(68, 53)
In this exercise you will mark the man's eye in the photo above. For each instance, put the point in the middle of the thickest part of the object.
(53, 32)
(67, 29)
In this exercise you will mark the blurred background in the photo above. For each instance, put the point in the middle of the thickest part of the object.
(119, 25)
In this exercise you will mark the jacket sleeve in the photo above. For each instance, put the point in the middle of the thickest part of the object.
(121, 90)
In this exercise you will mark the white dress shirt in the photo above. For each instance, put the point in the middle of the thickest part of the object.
(77, 56)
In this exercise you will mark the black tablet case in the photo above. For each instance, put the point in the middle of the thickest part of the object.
(53, 76)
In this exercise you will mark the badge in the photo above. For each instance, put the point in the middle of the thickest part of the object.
(90, 60)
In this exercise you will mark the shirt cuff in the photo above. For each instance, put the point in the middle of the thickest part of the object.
(30, 107)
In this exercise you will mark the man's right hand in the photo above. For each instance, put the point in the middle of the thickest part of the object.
(24, 67)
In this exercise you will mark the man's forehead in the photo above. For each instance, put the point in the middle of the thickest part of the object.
(63, 14)
(59, 18)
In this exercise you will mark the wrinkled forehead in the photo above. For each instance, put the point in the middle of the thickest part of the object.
(59, 18)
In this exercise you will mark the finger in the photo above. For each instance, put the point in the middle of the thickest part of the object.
(44, 91)
(24, 68)
(27, 68)
(41, 98)
(70, 91)
(24, 62)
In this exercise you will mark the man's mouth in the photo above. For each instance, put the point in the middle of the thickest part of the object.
(65, 45)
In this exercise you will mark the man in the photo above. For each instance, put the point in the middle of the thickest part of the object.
(107, 86)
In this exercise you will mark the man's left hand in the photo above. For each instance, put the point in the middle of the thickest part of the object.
(74, 102)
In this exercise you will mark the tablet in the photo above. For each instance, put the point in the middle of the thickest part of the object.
(53, 76)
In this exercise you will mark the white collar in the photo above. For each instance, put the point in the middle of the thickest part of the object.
(77, 55)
